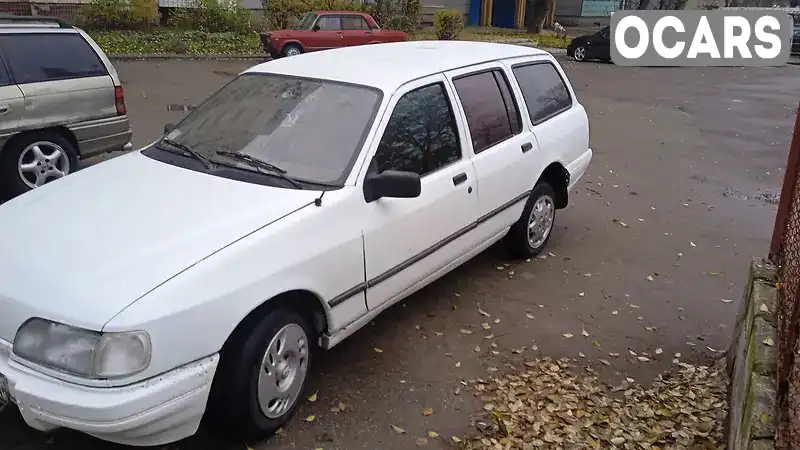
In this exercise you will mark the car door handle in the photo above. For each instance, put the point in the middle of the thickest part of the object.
(5, 109)
(460, 178)
(526, 146)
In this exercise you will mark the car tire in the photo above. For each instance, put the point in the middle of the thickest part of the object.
(243, 382)
(291, 50)
(580, 53)
(47, 155)
(523, 241)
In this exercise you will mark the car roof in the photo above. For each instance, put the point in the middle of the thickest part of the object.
(389, 66)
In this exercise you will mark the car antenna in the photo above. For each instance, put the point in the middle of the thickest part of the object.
(318, 200)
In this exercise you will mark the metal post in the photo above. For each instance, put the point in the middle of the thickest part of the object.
(789, 182)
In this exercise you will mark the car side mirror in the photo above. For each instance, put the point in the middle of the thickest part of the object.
(316, 28)
(168, 128)
(392, 184)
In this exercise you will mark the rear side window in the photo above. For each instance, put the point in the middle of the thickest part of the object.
(492, 114)
(34, 58)
(545, 93)
(354, 23)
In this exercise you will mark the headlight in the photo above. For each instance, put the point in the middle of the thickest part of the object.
(82, 352)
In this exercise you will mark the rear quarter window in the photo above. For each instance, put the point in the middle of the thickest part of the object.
(38, 57)
(545, 92)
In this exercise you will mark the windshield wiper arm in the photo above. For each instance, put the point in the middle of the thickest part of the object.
(190, 151)
(261, 164)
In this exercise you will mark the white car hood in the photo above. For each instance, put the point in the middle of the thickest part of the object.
(83, 248)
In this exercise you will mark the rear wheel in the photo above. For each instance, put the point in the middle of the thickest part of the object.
(33, 160)
(529, 236)
(291, 50)
(262, 375)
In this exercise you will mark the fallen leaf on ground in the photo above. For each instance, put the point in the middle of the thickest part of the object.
(422, 441)
(483, 313)
(725, 300)
(378, 350)
(585, 333)
(649, 278)
(310, 418)
(312, 397)
(455, 439)
(763, 308)
(769, 342)
(433, 434)
(398, 429)
(567, 335)
(427, 411)
(529, 316)
(659, 351)
(540, 407)
(464, 331)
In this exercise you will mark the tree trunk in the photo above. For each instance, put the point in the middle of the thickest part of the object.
(644, 4)
(540, 14)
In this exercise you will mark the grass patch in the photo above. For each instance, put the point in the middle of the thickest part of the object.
(487, 34)
(169, 41)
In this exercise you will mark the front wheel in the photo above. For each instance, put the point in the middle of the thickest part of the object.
(262, 377)
(580, 54)
(530, 234)
(292, 50)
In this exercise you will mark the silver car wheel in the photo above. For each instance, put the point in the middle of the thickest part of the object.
(283, 371)
(580, 53)
(41, 162)
(292, 51)
(540, 222)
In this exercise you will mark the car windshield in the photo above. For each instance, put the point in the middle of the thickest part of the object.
(306, 21)
(311, 129)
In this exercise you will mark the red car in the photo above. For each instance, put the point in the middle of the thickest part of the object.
(322, 30)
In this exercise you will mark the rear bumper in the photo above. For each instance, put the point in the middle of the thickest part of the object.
(578, 167)
(157, 411)
(102, 135)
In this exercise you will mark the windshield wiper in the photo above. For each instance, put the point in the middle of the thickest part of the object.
(190, 151)
(252, 161)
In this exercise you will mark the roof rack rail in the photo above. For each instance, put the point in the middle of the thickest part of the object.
(14, 18)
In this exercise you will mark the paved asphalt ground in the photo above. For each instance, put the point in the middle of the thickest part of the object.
(689, 160)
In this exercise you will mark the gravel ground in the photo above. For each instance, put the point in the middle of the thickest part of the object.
(680, 195)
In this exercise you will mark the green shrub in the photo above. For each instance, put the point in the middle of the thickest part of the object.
(105, 15)
(213, 16)
(447, 23)
(118, 14)
(144, 12)
(394, 14)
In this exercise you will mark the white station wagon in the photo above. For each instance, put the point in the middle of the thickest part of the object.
(202, 273)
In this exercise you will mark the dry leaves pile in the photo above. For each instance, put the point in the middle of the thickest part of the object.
(550, 405)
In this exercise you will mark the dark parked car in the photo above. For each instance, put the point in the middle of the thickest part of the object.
(591, 46)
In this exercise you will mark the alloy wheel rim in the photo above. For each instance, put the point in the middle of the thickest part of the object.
(283, 371)
(580, 53)
(42, 162)
(540, 222)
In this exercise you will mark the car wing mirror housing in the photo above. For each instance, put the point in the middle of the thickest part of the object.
(392, 184)
(168, 128)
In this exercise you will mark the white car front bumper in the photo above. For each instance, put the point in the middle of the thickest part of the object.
(157, 411)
